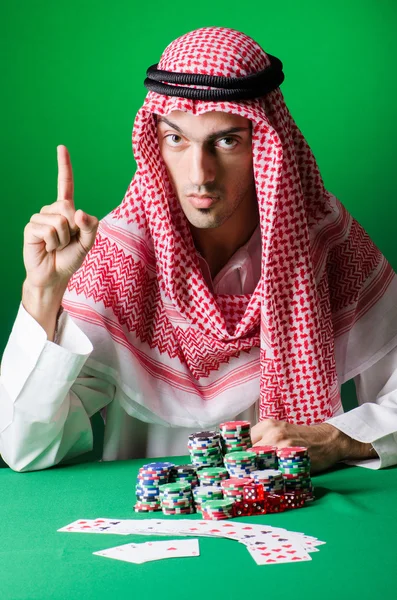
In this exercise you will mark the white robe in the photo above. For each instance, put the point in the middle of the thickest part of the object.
(48, 394)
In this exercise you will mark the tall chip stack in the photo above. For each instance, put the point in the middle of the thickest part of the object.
(205, 449)
(240, 464)
(150, 478)
(176, 498)
(266, 457)
(294, 464)
(235, 436)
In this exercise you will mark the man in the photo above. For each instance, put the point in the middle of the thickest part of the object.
(228, 284)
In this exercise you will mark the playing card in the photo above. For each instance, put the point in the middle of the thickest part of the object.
(149, 551)
(95, 526)
(280, 553)
(128, 552)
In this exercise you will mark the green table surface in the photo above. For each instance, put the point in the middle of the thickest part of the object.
(354, 513)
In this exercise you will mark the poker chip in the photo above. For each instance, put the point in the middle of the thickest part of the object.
(186, 473)
(234, 488)
(202, 494)
(150, 477)
(217, 509)
(292, 452)
(146, 506)
(205, 449)
(212, 476)
(271, 479)
(235, 435)
(294, 464)
(176, 497)
(240, 464)
(178, 511)
(266, 457)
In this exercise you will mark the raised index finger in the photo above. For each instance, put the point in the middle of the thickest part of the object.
(65, 175)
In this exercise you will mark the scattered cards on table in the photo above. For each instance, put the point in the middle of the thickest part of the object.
(266, 544)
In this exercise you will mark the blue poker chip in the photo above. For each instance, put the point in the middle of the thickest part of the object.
(143, 492)
(149, 483)
(159, 465)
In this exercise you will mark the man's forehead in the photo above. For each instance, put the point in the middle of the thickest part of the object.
(217, 118)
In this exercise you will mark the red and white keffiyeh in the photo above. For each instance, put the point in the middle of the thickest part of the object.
(324, 310)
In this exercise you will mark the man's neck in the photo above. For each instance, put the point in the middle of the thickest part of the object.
(218, 245)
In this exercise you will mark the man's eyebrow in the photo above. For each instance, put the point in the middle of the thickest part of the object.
(211, 137)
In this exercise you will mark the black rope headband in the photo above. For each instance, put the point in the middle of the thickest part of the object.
(229, 88)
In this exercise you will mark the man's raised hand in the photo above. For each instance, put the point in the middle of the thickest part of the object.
(57, 240)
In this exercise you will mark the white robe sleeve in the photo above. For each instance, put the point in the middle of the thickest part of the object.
(374, 421)
(46, 399)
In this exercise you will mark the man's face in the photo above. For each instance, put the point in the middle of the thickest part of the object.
(208, 155)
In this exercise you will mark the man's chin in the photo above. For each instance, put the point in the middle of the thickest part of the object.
(204, 220)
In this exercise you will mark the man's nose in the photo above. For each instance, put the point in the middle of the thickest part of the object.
(202, 167)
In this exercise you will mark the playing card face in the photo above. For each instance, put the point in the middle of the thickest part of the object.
(149, 551)
(95, 526)
(279, 553)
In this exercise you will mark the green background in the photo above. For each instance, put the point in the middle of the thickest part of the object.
(73, 74)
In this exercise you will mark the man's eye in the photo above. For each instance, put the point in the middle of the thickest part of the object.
(173, 135)
(230, 140)
(176, 142)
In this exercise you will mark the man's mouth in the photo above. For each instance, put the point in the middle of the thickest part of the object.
(202, 201)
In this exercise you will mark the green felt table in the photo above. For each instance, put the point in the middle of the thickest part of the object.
(354, 513)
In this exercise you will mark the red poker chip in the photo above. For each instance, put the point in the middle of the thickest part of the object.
(218, 514)
(292, 450)
(233, 424)
(236, 481)
(269, 449)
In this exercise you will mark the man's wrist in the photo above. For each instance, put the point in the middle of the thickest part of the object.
(346, 448)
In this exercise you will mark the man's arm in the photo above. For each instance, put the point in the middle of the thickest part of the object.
(366, 432)
(46, 395)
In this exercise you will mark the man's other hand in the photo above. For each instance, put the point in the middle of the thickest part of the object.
(325, 443)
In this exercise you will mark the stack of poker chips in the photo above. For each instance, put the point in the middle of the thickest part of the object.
(240, 464)
(176, 498)
(205, 449)
(150, 478)
(234, 488)
(203, 493)
(184, 473)
(212, 476)
(271, 479)
(266, 457)
(235, 436)
(217, 509)
(294, 464)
